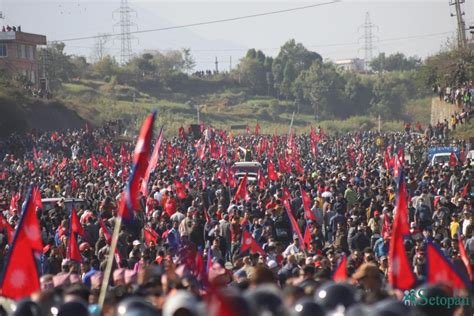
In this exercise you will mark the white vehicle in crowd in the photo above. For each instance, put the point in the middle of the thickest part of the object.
(247, 167)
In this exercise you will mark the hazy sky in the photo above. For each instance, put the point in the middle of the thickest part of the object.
(412, 27)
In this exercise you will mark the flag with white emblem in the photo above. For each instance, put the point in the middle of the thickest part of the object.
(21, 276)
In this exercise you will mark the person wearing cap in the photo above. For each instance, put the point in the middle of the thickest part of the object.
(375, 223)
(292, 248)
(369, 278)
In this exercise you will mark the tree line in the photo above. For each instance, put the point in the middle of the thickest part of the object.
(296, 75)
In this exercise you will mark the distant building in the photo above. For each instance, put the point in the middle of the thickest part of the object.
(354, 64)
(18, 54)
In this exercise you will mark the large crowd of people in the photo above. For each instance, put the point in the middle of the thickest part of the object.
(193, 248)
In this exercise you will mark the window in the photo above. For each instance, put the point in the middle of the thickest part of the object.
(21, 51)
(33, 76)
(3, 50)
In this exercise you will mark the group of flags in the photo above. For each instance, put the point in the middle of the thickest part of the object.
(440, 269)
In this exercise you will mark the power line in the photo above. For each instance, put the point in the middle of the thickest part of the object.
(207, 22)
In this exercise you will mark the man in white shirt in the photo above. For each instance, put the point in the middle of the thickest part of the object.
(293, 248)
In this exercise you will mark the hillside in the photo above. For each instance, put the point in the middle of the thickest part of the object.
(20, 113)
(97, 101)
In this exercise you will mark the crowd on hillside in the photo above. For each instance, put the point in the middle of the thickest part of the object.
(462, 96)
(193, 248)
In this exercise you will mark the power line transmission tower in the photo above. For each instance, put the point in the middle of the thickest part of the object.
(460, 21)
(368, 38)
(125, 28)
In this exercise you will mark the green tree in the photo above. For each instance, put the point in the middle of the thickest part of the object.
(292, 59)
(322, 87)
(105, 68)
(58, 65)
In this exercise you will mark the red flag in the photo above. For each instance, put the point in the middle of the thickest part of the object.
(400, 274)
(152, 164)
(73, 184)
(180, 190)
(231, 178)
(94, 162)
(308, 214)
(21, 277)
(35, 154)
(401, 157)
(31, 167)
(5, 226)
(272, 175)
(360, 158)
(140, 165)
(242, 192)
(294, 223)
(452, 160)
(83, 164)
(63, 164)
(465, 258)
(465, 191)
(298, 166)
(182, 135)
(214, 150)
(73, 252)
(341, 271)
(441, 271)
(150, 235)
(249, 243)
(282, 165)
(182, 166)
(261, 180)
(76, 226)
(123, 154)
(257, 128)
(105, 230)
(386, 226)
(307, 237)
(37, 198)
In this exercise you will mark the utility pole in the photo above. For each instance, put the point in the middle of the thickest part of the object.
(460, 22)
(230, 64)
(217, 65)
(368, 38)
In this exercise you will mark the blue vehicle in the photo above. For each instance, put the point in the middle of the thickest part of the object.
(441, 155)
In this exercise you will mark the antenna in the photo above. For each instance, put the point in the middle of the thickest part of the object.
(368, 38)
(125, 36)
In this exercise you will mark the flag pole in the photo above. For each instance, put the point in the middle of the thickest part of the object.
(110, 261)
(291, 124)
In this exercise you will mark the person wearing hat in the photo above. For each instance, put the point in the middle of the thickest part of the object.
(293, 248)
(369, 277)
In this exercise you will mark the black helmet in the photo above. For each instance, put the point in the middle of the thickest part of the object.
(27, 308)
(390, 307)
(424, 293)
(332, 295)
(135, 306)
(75, 308)
(266, 299)
(307, 307)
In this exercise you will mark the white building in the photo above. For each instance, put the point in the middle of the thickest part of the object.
(353, 64)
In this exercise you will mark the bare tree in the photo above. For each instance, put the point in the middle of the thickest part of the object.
(100, 47)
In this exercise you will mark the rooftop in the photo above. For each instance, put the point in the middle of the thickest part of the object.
(23, 37)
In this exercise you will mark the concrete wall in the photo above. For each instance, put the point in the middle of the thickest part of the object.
(441, 110)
